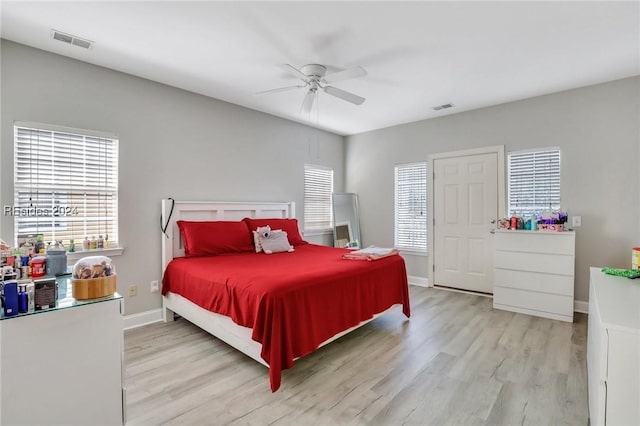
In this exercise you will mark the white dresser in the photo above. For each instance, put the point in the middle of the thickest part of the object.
(534, 273)
(63, 366)
(613, 350)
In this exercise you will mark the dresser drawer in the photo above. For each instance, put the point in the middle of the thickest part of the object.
(535, 262)
(542, 302)
(534, 281)
(536, 242)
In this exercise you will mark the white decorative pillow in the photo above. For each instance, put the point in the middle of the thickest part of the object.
(275, 241)
(256, 239)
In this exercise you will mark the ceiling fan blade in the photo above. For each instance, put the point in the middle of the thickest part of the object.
(281, 89)
(344, 95)
(307, 103)
(302, 76)
(345, 75)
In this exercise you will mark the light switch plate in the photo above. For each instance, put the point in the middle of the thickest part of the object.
(576, 221)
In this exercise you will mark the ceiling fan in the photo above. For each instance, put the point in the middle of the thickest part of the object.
(314, 78)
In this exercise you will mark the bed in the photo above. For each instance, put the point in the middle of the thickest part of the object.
(274, 308)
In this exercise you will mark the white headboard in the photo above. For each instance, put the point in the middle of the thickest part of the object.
(211, 210)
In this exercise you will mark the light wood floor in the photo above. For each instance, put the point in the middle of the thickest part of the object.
(456, 362)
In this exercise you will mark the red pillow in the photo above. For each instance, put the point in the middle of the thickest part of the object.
(290, 226)
(211, 238)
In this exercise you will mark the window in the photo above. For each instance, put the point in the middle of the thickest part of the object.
(411, 207)
(534, 181)
(65, 184)
(318, 186)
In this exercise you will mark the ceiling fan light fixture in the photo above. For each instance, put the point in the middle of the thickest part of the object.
(314, 78)
(314, 71)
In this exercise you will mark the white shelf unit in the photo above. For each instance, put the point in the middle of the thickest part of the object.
(613, 350)
(63, 366)
(534, 273)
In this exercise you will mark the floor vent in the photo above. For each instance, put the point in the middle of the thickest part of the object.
(444, 106)
(71, 39)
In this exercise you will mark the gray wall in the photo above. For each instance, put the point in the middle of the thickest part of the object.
(597, 129)
(179, 144)
(173, 143)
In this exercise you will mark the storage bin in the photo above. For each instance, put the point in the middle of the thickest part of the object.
(93, 277)
(93, 288)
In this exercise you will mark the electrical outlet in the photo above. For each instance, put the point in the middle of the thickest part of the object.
(155, 286)
(576, 221)
(133, 290)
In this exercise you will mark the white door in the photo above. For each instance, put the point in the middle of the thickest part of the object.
(465, 206)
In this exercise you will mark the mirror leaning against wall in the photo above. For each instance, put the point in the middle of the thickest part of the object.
(346, 223)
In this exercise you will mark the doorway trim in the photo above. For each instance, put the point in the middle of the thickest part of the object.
(497, 149)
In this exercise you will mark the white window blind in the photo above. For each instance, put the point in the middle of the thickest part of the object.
(411, 206)
(65, 184)
(318, 186)
(534, 181)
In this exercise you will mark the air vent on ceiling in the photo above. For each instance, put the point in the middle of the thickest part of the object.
(444, 106)
(71, 39)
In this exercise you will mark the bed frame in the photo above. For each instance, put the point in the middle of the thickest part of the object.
(218, 325)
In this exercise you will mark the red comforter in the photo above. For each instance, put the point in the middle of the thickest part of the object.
(292, 301)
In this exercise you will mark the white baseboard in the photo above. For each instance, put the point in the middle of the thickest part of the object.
(581, 306)
(419, 281)
(142, 318)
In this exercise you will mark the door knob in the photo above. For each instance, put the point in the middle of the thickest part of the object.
(493, 221)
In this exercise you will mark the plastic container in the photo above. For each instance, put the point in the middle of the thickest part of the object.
(38, 268)
(10, 298)
(550, 227)
(93, 277)
(635, 258)
(56, 261)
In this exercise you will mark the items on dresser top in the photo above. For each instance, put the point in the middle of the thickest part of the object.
(93, 277)
(10, 298)
(56, 259)
(627, 273)
(545, 222)
(26, 296)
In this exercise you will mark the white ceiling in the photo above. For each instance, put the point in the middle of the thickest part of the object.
(417, 54)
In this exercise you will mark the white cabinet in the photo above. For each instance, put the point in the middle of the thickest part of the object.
(534, 273)
(613, 350)
(63, 366)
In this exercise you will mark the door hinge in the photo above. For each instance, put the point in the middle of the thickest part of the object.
(433, 267)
